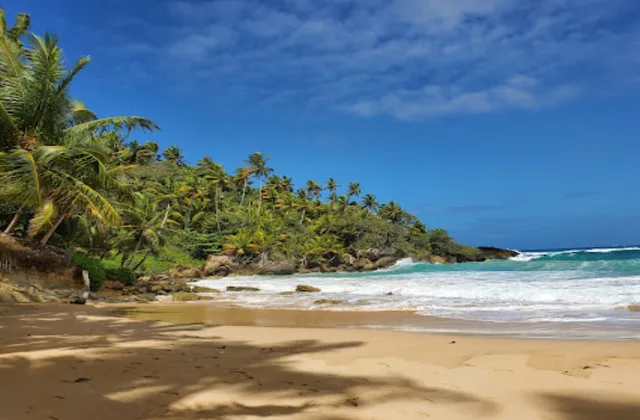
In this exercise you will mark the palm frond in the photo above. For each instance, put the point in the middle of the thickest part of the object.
(44, 217)
(113, 123)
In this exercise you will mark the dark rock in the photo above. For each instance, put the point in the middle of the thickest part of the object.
(491, 253)
(288, 293)
(303, 288)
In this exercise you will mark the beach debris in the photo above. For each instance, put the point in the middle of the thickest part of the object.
(453, 342)
(242, 289)
(303, 288)
(353, 402)
(389, 294)
(80, 380)
(287, 293)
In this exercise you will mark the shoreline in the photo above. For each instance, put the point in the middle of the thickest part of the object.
(214, 313)
(69, 362)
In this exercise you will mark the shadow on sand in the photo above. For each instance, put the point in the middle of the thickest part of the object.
(80, 364)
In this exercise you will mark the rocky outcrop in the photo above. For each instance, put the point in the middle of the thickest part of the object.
(219, 265)
(490, 253)
(277, 268)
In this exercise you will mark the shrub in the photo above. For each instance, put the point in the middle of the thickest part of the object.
(94, 267)
(123, 274)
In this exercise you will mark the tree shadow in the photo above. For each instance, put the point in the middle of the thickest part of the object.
(592, 407)
(78, 364)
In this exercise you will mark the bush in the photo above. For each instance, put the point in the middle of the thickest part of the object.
(94, 267)
(123, 274)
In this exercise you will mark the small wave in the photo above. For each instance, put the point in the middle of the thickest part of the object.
(579, 254)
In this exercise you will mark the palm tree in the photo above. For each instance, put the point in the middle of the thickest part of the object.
(258, 168)
(392, 212)
(35, 107)
(313, 189)
(144, 226)
(332, 185)
(51, 152)
(173, 154)
(242, 178)
(215, 174)
(354, 190)
(59, 181)
(369, 203)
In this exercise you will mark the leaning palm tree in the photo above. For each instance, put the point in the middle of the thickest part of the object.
(313, 189)
(369, 203)
(354, 190)
(332, 185)
(51, 157)
(258, 168)
(143, 229)
(59, 182)
(173, 154)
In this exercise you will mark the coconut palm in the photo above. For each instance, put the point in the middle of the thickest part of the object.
(35, 107)
(58, 181)
(332, 185)
(369, 203)
(143, 229)
(173, 154)
(313, 189)
(392, 212)
(354, 190)
(258, 168)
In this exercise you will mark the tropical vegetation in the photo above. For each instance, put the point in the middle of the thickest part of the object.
(76, 182)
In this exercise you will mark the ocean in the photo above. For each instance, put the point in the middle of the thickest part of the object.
(582, 293)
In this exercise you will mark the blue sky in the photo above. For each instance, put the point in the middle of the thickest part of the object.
(509, 122)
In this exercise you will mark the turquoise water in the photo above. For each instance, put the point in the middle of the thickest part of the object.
(584, 289)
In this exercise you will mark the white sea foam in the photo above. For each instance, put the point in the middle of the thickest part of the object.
(541, 296)
(530, 256)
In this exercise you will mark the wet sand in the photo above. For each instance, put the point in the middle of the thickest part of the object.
(66, 362)
(211, 313)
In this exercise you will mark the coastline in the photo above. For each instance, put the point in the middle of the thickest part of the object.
(61, 361)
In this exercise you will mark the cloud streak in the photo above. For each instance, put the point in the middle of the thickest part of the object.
(409, 59)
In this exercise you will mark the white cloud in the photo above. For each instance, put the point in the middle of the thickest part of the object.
(410, 59)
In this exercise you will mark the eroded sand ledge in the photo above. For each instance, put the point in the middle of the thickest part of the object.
(129, 369)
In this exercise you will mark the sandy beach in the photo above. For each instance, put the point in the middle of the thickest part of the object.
(66, 363)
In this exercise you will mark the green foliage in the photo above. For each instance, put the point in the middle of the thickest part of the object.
(96, 270)
(123, 274)
(77, 182)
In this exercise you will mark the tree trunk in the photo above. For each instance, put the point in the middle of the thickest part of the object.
(53, 229)
(188, 218)
(14, 221)
(141, 261)
(217, 209)
(135, 250)
(123, 260)
(244, 192)
(304, 212)
(259, 196)
(166, 215)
